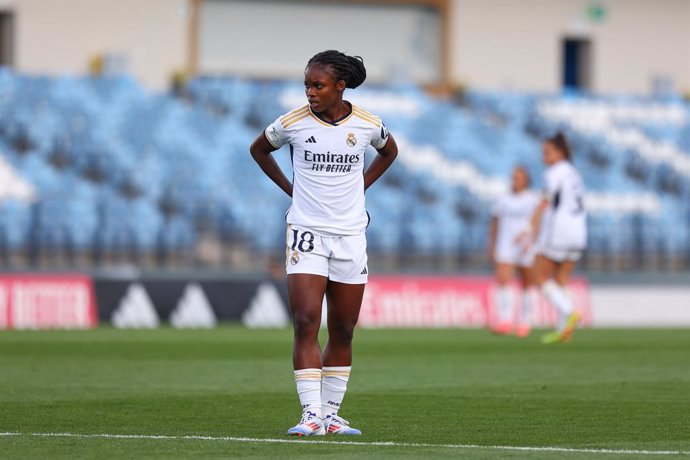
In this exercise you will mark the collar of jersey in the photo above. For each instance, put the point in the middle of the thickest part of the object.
(337, 122)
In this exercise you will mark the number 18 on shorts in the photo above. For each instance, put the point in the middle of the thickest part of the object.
(342, 259)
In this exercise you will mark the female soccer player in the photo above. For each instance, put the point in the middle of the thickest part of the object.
(510, 216)
(562, 224)
(326, 244)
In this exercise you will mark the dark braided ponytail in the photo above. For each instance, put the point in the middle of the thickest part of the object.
(350, 69)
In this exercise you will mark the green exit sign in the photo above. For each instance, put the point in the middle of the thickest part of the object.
(596, 12)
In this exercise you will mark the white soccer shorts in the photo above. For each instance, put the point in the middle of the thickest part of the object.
(560, 255)
(514, 254)
(342, 259)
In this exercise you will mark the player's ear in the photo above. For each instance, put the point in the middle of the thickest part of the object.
(340, 85)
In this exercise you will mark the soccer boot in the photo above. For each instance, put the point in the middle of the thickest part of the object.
(338, 425)
(570, 325)
(502, 328)
(566, 333)
(310, 425)
(551, 337)
(523, 330)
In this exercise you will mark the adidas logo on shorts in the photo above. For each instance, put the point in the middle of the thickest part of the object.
(311, 140)
(364, 272)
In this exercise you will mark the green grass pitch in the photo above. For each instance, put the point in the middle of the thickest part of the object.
(430, 393)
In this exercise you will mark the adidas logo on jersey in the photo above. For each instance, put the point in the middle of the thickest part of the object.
(311, 140)
(364, 272)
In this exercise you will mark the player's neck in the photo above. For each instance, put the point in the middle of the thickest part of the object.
(338, 111)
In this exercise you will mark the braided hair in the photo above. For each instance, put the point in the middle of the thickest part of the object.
(350, 69)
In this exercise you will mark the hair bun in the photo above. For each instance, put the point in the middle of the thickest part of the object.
(358, 72)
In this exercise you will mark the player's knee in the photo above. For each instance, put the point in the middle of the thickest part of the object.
(306, 325)
(562, 279)
(503, 282)
(540, 279)
(341, 332)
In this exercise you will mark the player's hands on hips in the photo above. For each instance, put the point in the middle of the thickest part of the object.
(525, 238)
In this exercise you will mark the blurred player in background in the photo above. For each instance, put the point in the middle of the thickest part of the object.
(560, 221)
(326, 243)
(510, 217)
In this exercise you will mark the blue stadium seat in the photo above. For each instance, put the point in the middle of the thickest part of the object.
(98, 149)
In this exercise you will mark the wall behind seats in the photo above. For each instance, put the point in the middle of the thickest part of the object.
(273, 38)
(499, 44)
(60, 36)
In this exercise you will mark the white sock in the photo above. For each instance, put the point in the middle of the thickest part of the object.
(569, 295)
(558, 298)
(333, 389)
(504, 298)
(309, 390)
(526, 307)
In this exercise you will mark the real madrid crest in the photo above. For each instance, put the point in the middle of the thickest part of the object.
(295, 258)
(351, 139)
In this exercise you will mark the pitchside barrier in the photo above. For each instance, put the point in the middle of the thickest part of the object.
(79, 301)
(64, 301)
(200, 303)
(390, 301)
(451, 301)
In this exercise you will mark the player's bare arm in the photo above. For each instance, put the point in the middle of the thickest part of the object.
(385, 158)
(491, 244)
(535, 221)
(261, 151)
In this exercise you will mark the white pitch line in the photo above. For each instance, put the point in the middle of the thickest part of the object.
(349, 443)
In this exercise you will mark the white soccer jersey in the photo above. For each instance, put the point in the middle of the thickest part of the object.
(564, 223)
(514, 212)
(328, 164)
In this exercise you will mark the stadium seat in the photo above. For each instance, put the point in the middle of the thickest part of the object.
(100, 148)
